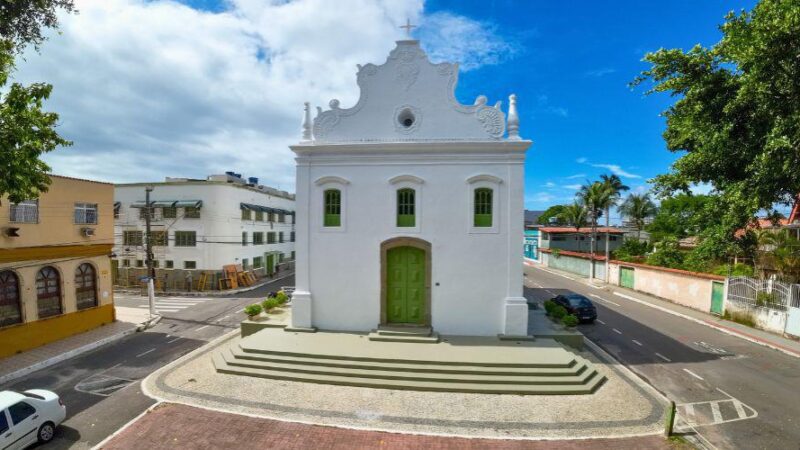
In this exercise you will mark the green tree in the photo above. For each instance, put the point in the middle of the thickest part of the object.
(26, 131)
(574, 215)
(615, 187)
(637, 208)
(596, 197)
(552, 212)
(666, 253)
(681, 216)
(736, 120)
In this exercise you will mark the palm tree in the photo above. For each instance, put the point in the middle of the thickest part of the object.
(614, 184)
(596, 197)
(780, 251)
(637, 208)
(575, 215)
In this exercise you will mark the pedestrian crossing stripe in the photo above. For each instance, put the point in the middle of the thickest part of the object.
(701, 414)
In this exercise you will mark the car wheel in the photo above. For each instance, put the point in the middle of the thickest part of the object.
(46, 432)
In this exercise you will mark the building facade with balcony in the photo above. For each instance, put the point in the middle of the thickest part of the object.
(55, 265)
(199, 226)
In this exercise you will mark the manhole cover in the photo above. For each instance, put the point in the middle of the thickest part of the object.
(104, 385)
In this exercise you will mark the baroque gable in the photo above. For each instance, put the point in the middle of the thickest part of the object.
(407, 98)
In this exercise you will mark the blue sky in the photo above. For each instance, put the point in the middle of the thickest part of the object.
(154, 88)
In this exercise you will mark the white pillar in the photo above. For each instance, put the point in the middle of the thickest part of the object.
(302, 313)
(515, 306)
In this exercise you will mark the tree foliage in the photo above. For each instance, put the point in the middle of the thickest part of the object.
(681, 216)
(736, 120)
(553, 212)
(26, 131)
(574, 215)
(637, 208)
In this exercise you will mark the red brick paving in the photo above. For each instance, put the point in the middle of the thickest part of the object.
(184, 427)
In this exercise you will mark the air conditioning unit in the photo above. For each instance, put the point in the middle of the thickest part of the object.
(11, 231)
(87, 232)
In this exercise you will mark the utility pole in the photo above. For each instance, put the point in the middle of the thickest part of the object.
(151, 275)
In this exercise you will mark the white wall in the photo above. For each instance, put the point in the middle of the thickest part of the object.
(219, 228)
(473, 270)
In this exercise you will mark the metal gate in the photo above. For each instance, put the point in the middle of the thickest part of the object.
(793, 318)
(626, 277)
(717, 297)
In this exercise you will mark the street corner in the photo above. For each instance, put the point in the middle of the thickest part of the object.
(181, 426)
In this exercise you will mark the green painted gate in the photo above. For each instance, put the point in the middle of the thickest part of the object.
(405, 285)
(269, 266)
(717, 296)
(626, 277)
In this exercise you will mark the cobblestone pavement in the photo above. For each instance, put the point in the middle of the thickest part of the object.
(177, 426)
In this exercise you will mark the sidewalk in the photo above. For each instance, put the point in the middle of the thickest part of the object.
(32, 360)
(181, 426)
(754, 335)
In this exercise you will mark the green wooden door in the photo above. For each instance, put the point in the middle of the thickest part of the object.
(717, 296)
(626, 277)
(405, 285)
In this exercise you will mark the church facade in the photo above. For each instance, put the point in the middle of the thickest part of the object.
(410, 207)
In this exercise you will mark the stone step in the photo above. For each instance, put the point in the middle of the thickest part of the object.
(588, 387)
(467, 368)
(407, 337)
(375, 373)
(388, 330)
(344, 356)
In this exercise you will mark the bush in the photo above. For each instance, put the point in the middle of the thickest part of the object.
(631, 250)
(270, 303)
(559, 312)
(569, 321)
(548, 306)
(667, 254)
(736, 270)
(765, 299)
(281, 297)
(253, 310)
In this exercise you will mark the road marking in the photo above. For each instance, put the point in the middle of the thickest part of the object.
(605, 300)
(556, 273)
(663, 357)
(176, 339)
(221, 319)
(689, 408)
(549, 292)
(636, 342)
(716, 412)
(693, 374)
(241, 310)
(617, 331)
(600, 321)
(167, 310)
(142, 354)
(204, 326)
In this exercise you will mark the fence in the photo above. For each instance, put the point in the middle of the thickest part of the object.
(772, 304)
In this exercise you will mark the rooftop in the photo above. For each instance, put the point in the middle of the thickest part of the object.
(228, 178)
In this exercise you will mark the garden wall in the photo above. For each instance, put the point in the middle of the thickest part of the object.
(765, 318)
(574, 262)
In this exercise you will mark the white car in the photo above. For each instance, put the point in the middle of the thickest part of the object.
(29, 417)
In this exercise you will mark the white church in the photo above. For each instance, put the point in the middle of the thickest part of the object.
(410, 207)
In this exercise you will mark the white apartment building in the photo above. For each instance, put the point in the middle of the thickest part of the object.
(202, 225)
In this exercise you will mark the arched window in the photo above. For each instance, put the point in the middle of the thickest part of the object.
(85, 286)
(332, 208)
(10, 303)
(48, 292)
(406, 207)
(483, 207)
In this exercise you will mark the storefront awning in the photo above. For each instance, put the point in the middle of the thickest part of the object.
(265, 209)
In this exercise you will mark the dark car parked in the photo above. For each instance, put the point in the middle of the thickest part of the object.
(577, 305)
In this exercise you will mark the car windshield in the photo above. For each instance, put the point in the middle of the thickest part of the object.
(579, 302)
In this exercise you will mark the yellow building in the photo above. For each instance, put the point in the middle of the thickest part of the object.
(55, 264)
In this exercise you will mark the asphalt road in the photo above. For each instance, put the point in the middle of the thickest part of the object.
(730, 392)
(101, 388)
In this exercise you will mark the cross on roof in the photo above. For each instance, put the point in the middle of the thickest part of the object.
(408, 27)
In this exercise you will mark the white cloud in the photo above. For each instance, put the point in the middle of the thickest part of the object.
(573, 187)
(701, 188)
(617, 170)
(549, 184)
(599, 72)
(154, 88)
(450, 37)
(581, 160)
(577, 175)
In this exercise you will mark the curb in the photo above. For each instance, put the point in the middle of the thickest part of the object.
(126, 426)
(64, 356)
(721, 328)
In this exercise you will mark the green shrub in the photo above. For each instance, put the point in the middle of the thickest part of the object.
(548, 306)
(736, 270)
(631, 250)
(569, 321)
(559, 312)
(270, 303)
(765, 299)
(253, 310)
(281, 297)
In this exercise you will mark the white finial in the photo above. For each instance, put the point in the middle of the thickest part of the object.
(513, 119)
(408, 27)
(306, 122)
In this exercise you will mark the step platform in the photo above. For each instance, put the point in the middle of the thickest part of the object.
(451, 364)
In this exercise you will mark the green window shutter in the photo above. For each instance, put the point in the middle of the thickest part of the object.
(483, 207)
(406, 208)
(332, 208)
